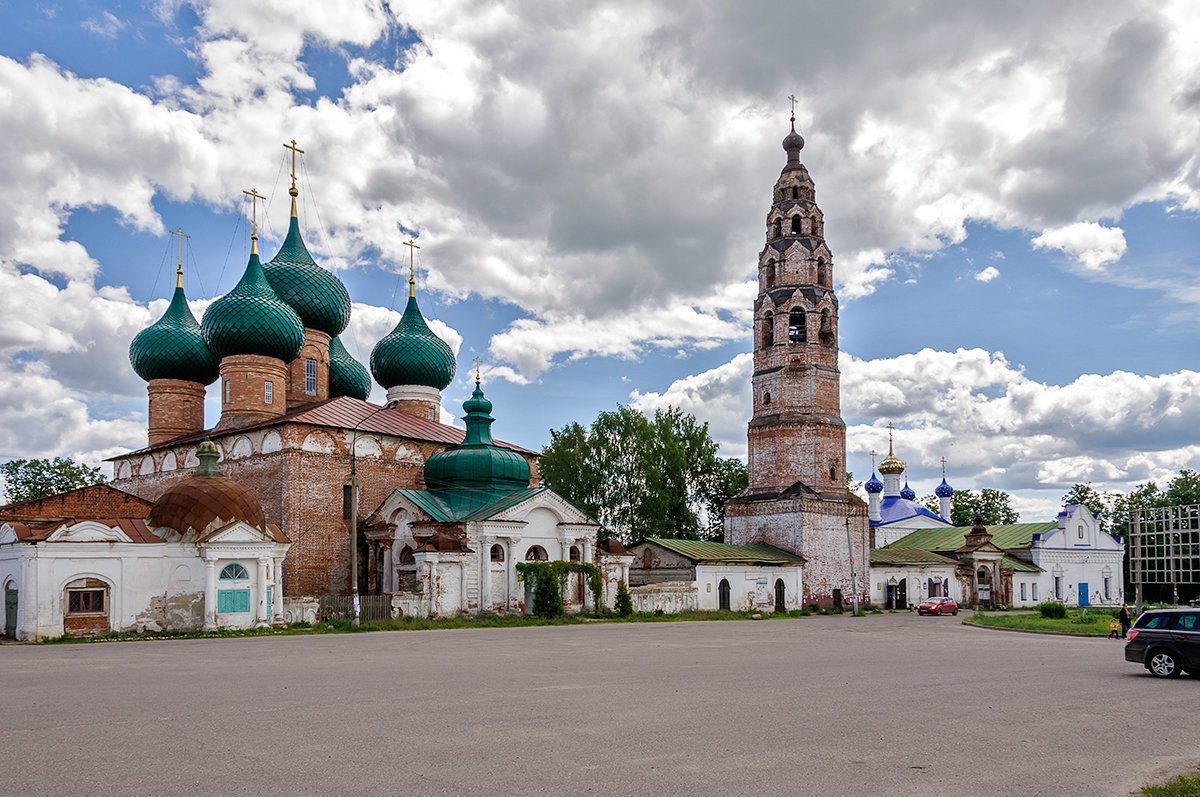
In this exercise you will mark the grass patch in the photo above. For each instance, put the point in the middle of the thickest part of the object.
(1182, 786)
(1089, 621)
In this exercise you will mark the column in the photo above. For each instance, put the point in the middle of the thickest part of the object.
(586, 554)
(516, 589)
(277, 595)
(210, 594)
(260, 614)
(485, 573)
(389, 569)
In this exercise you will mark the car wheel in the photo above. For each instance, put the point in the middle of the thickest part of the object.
(937, 612)
(955, 612)
(1163, 664)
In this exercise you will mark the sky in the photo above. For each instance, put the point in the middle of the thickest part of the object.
(1010, 194)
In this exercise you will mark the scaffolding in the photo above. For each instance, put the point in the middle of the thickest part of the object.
(1164, 548)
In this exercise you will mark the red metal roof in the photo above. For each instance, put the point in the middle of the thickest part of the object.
(136, 530)
(346, 412)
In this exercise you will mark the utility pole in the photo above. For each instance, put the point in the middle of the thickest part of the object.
(355, 612)
(853, 577)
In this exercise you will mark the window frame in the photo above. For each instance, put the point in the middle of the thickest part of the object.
(268, 392)
(91, 594)
(236, 572)
(310, 376)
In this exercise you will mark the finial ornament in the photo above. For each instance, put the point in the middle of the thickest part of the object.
(412, 280)
(891, 428)
(476, 370)
(792, 98)
(179, 268)
(292, 192)
(943, 469)
(254, 197)
(872, 460)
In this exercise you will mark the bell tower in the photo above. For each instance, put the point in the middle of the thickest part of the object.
(796, 433)
(797, 497)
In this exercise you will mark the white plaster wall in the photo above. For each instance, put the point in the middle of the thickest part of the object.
(918, 582)
(746, 593)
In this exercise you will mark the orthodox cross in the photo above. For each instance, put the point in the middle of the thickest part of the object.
(872, 460)
(412, 251)
(477, 370)
(179, 268)
(943, 469)
(890, 428)
(294, 150)
(792, 98)
(254, 197)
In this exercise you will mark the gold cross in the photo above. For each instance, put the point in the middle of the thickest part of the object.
(294, 150)
(412, 281)
(943, 469)
(179, 269)
(872, 460)
(254, 197)
(477, 370)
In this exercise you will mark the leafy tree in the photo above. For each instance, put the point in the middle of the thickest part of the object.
(993, 505)
(932, 503)
(27, 479)
(1100, 503)
(658, 476)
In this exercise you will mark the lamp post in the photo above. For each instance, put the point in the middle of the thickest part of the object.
(354, 616)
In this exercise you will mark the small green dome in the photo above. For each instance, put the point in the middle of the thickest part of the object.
(317, 296)
(347, 376)
(173, 347)
(478, 463)
(252, 319)
(412, 354)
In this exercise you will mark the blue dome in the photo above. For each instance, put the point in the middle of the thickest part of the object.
(907, 493)
(873, 485)
(944, 490)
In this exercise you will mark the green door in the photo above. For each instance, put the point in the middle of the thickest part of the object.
(10, 613)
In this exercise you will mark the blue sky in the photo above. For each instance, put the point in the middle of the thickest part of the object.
(1011, 207)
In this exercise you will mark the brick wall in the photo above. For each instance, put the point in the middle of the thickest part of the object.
(99, 501)
(244, 379)
(176, 409)
(316, 347)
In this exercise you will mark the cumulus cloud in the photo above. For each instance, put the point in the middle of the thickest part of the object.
(1092, 245)
(988, 274)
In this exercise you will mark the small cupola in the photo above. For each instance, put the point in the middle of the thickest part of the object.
(477, 463)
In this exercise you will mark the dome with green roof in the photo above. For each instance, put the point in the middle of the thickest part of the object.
(347, 376)
(412, 354)
(173, 347)
(252, 319)
(477, 463)
(317, 296)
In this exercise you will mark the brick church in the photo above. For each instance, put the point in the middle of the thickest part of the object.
(797, 498)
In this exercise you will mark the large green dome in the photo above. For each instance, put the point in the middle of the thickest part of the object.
(252, 319)
(173, 347)
(317, 296)
(412, 354)
(347, 376)
(478, 463)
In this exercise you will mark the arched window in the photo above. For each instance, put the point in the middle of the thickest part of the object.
(536, 554)
(780, 595)
(234, 572)
(797, 224)
(795, 192)
(723, 595)
(778, 228)
(797, 328)
(406, 556)
(767, 397)
(574, 553)
(768, 332)
(769, 272)
(833, 471)
(826, 327)
(497, 553)
(822, 272)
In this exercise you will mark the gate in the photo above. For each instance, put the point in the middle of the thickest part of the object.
(341, 607)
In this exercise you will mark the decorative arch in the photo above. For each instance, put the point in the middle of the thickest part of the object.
(147, 465)
(536, 553)
(822, 272)
(318, 443)
(368, 446)
(777, 228)
(797, 326)
(769, 273)
(272, 442)
(169, 462)
(241, 447)
(768, 330)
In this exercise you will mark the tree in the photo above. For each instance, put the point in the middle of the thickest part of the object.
(1100, 503)
(27, 479)
(643, 476)
(993, 505)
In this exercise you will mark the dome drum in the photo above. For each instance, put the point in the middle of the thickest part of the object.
(309, 383)
(176, 409)
(253, 389)
(419, 400)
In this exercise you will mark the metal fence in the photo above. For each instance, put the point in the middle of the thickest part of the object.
(1165, 546)
(370, 607)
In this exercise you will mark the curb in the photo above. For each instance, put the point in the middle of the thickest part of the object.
(1033, 631)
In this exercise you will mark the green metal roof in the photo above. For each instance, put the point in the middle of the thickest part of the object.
(1020, 565)
(477, 463)
(173, 347)
(252, 319)
(908, 556)
(411, 354)
(317, 296)
(347, 376)
(1008, 537)
(705, 551)
(465, 506)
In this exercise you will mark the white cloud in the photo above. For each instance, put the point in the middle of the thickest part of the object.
(1092, 245)
(106, 25)
(719, 397)
(988, 274)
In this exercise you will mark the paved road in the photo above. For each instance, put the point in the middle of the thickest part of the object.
(885, 704)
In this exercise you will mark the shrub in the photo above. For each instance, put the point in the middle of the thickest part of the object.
(624, 601)
(1052, 611)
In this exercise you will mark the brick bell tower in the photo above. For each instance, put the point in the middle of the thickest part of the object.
(797, 497)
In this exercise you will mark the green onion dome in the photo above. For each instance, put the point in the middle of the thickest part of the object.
(347, 376)
(412, 354)
(252, 319)
(317, 296)
(478, 463)
(173, 347)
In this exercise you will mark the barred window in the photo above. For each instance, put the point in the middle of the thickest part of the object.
(269, 392)
(85, 601)
(310, 377)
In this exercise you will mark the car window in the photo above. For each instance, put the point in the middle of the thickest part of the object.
(1155, 620)
(1189, 622)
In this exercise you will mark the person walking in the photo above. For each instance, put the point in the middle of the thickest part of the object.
(1114, 629)
(1124, 617)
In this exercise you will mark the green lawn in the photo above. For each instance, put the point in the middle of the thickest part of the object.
(1183, 786)
(1092, 622)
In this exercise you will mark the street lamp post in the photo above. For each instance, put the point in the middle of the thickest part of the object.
(355, 613)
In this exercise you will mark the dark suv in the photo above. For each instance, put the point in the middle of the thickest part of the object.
(1166, 642)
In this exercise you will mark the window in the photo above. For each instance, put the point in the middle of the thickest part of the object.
(822, 272)
(310, 377)
(536, 554)
(768, 333)
(797, 225)
(1033, 591)
(1081, 531)
(268, 392)
(234, 572)
(769, 273)
(497, 553)
(797, 327)
(226, 391)
(1022, 590)
(574, 555)
(778, 227)
(1188, 622)
(406, 556)
(767, 397)
(1107, 587)
(85, 601)
(826, 327)
(833, 472)
(1058, 587)
(233, 601)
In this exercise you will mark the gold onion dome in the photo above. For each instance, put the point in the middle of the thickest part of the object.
(173, 347)
(891, 466)
(317, 296)
(204, 500)
(252, 319)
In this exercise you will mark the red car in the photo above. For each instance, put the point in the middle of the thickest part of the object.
(938, 606)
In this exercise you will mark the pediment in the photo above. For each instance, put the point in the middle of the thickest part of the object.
(235, 533)
(7, 534)
(567, 513)
(88, 531)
